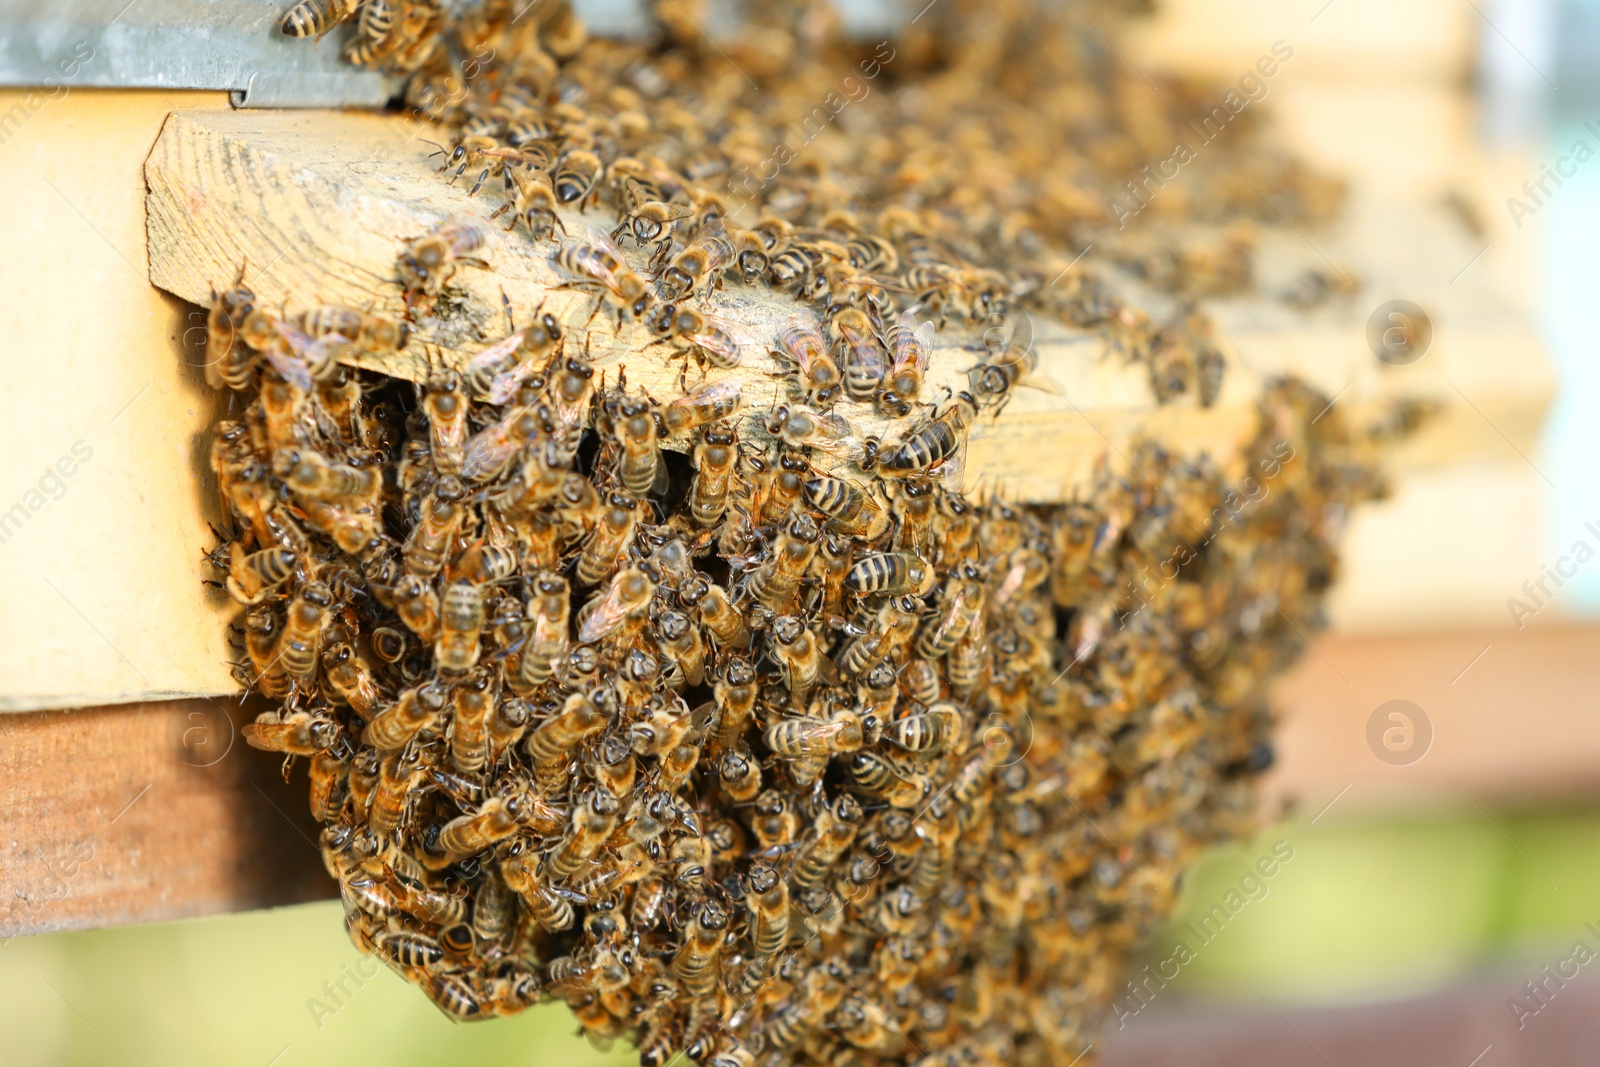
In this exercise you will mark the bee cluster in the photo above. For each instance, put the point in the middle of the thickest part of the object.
(741, 756)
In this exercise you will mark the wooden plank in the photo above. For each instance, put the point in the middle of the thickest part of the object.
(147, 812)
(104, 503)
(325, 213)
(1453, 1027)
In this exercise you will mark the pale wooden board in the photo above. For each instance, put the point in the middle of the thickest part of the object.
(324, 202)
(103, 599)
(1356, 40)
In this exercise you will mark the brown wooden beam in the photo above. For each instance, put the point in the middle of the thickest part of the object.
(147, 812)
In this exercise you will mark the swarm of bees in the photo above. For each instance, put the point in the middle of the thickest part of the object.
(637, 704)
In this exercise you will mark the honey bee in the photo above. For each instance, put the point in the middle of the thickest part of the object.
(549, 609)
(228, 360)
(489, 450)
(991, 383)
(599, 268)
(698, 265)
(604, 550)
(500, 370)
(802, 660)
(934, 443)
(913, 346)
(633, 422)
(428, 263)
(497, 819)
(377, 16)
(362, 781)
(714, 456)
(801, 344)
(921, 680)
(576, 175)
(866, 364)
(446, 405)
(877, 774)
(418, 607)
(962, 610)
(593, 818)
(432, 540)
(578, 718)
(630, 590)
(889, 574)
(710, 339)
(548, 908)
(417, 709)
(740, 775)
(316, 18)
(929, 732)
(398, 774)
(888, 634)
(251, 577)
(648, 220)
(295, 733)
(775, 583)
(835, 830)
(469, 725)
(798, 428)
(695, 965)
(508, 721)
(681, 638)
(300, 643)
(351, 680)
(371, 333)
(722, 620)
(312, 476)
(710, 403)
(534, 205)
(850, 510)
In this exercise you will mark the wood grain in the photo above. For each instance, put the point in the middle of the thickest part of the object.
(144, 813)
(324, 202)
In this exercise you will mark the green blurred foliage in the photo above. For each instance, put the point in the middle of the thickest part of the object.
(1371, 908)
(248, 990)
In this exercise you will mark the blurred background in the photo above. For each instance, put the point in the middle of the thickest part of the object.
(1441, 902)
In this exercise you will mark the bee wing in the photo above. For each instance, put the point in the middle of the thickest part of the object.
(674, 212)
(801, 337)
(496, 352)
(724, 338)
(1020, 347)
(292, 367)
(602, 240)
(925, 335)
(505, 385)
(950, 621)
(463, 232)
(834, 436)
(636, 193)
(717, 395)
(489, 448)
(607, 615)
(810, 739)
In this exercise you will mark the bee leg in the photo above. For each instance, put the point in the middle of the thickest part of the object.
(479, 183)
(560, 224)
(288, 766)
